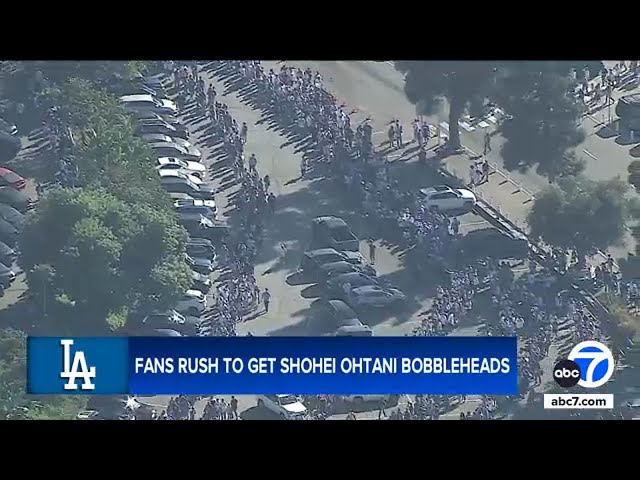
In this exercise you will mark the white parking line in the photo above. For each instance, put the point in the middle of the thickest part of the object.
(589, 154)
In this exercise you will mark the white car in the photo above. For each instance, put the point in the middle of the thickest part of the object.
(373, 296)
(193, 151)
(172, 163)
(172, 149)
(164, 173)
(194, 202)
(148, 103)
(193, 303)
(444, 198)
(370, 398)
(287, 407)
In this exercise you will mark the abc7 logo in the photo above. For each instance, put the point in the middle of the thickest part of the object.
(590, 365)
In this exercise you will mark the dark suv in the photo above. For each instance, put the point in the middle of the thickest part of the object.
(333, 232)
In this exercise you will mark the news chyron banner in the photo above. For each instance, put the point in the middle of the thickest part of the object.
(272, 365)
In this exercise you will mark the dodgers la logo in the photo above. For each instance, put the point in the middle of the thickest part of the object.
(76, 369)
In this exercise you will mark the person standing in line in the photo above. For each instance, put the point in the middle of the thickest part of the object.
(266, 299)
(487, 143)
(372, 251)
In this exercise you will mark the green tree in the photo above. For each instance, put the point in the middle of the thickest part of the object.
(14, 402)
(544, 123)
(104, 257)
(582, 214)
(428, 83)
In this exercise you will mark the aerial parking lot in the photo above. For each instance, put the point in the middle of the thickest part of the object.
(314, 201)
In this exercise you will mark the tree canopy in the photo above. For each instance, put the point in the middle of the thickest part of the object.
(582, 214)
(460, 83)
(14, 402)
(112, 246)
(545, 117)
(542, 124)
(105, 255)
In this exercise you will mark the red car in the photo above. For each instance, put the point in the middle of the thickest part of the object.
(11, 179)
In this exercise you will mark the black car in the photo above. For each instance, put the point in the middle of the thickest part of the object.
(355, 279)
(200, 247)
(161, 128)
(312, 260)
(333, 314)
(7, 254)
(200, 282)
(212, 230)
(333, 232)
(494, 243)
(11, 215)
(328, 270)
(8, 233)
(15, 198)
(628, 109)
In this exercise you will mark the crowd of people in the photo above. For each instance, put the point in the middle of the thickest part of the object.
(237, 292)
(529, 307)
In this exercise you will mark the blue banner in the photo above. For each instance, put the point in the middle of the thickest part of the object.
(269, 365)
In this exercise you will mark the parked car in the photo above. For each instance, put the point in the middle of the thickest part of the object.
(161, 126)
(7, 276)
(628, 109)
(200, 264)
(8, 233)
(328, 270)
(213, 230)
(173, 320)
(333, 232)
(9, 178)
(196, 212)
(182, 175)
(287, 407)
(172, 149)
(494, 243)
(184, 186)
(312, 260)
(373, 296)
(334, 314)
(11, 215)
(10, 146)
(200, 247)
(192, 202)
(200, 282)
(193, 303)
(153, 81)
(7, 254)
(446, 199)
(172, 163)
(388, 399)
(152, 118)
(193, 151)
(156, 138)
(148, 103)
(15, 198)
(353, 328)
(355, 279)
